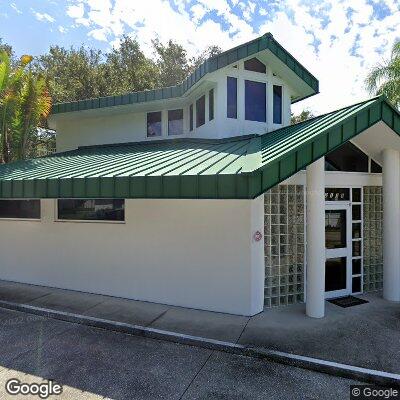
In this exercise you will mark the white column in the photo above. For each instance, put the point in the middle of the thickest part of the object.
(257, 264)
(315, 278)
(391, 224)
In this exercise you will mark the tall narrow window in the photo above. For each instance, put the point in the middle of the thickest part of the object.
(191, 117)
(231, 104)
(200, 111)
(255, 101)
(175, 122)
(277, 104)
(211, 104)
(154, 124)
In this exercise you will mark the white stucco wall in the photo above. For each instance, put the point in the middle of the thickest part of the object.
(191, 253)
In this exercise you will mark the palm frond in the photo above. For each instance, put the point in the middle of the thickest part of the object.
(384, 78)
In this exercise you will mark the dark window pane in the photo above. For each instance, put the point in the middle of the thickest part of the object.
(357, 266)
(29, 209)
(356, 230)
(337, 194)
(356, 212)
(191, 117)
(375, 167)
(231, 110)
(200, 111)
(356, 284)
(211, 104)
(356, 195)
(255, 101)
(347, 158)
(335, 229)
(277, 104)
(335, 274)
(255, 65)
(91, 209)
(357, 248)
(175, 122)
(154, 124)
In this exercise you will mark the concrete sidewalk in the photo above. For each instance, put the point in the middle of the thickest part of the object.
(366, 336)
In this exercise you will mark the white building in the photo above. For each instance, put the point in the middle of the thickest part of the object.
(202, 195)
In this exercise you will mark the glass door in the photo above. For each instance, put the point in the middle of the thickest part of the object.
(338, 250)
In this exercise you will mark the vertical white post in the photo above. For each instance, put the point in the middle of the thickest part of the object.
(391, 224)
(257, 264)
(315, 281)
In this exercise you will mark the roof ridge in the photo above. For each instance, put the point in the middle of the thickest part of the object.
(172, 141)
(325, 114)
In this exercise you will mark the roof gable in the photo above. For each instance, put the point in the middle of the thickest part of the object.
(288, 150)
(265, 42)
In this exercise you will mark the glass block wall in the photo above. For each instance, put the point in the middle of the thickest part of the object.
(373, 251)
(284, 245)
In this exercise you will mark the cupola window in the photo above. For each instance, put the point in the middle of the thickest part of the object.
(231, 99)
(154, 124)
(277, 105)
(175, 122)
(255, 101)
(200, 111)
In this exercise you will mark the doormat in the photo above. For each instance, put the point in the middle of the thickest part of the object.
(348, 301)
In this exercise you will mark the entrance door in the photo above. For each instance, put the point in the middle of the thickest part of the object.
(338, 250)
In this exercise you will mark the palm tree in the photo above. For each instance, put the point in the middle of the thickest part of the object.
(385, 78)
(33, 108)
(10, 83)
(24, 104)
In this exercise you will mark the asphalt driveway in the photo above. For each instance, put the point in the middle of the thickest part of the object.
(93, 363)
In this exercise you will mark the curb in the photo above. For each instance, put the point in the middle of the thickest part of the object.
(314, 364)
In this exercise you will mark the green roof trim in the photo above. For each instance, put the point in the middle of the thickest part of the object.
(234, 168)
(265, 42)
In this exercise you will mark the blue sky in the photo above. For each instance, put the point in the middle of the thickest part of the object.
(338, 41)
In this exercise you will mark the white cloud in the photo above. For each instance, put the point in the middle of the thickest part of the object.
(99, 34)
(61, 29)
(337, 41)
(43, 17)
(341, 73)
(15, 8)
(76, 11)
(198, 12)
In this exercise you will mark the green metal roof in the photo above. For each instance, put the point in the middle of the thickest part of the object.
(265, 42)
(234, 168)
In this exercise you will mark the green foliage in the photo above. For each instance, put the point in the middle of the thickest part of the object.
(128, 70)
(42, 143)
(76, 74)
(384, 78)
(24, 104)
(172, 62)
(7, 48)
(209, 52)
(303, 116)
(73, 74)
